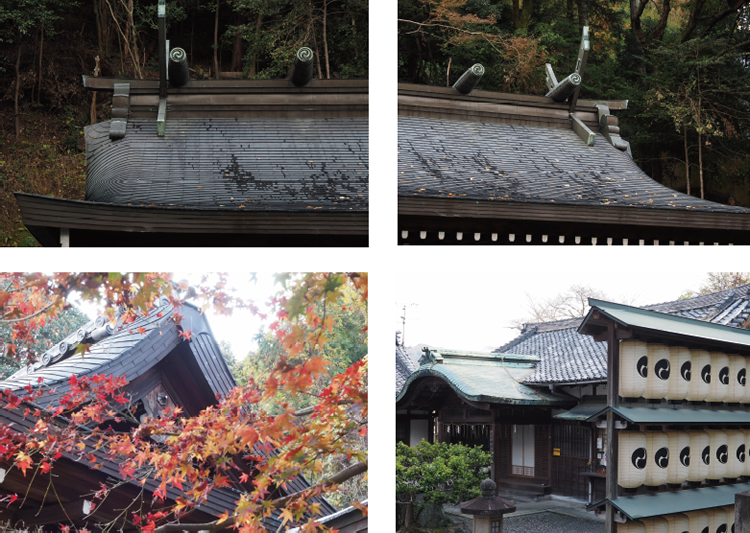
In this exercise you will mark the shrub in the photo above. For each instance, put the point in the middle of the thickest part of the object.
(442, 472)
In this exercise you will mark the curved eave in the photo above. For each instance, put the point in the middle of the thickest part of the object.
(412, 205)
(534, 397)
(44, 216)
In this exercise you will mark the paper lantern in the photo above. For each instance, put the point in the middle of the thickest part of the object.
(700, 455)
(679, 375)
(633, 526)
(698, 521)
(737, 371)
(743, 379)
(657, 450)
(717, 520)
(700, 376)
(632, 459)
(736, 462)
(633, 368)
(657, 378)
(656, 524)
(679, 457)
(747, 449)
(719, 386)
(730, 518)
(678, 523)
(717, 467)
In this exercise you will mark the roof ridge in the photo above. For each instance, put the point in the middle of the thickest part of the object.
(518, 340)
(703, 300)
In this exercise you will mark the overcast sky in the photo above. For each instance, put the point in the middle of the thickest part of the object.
(474, 310)
(241, 326)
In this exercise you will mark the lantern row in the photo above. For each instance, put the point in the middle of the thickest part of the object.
(653, 458)
(656, 372)
(713, 520)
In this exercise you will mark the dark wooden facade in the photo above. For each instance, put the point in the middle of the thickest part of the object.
(492, 427)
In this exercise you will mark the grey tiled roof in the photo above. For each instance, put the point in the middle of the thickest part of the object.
(502, 162)
(255, 164)
(404, 367)
(569, 357)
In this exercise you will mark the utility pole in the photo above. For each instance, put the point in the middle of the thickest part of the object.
(403, 323)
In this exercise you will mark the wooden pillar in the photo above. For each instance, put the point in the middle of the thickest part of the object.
(613, 391)
(495, 452)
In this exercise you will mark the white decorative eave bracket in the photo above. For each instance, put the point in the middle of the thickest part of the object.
(583, 131)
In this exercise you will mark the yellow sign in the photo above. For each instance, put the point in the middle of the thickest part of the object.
(555, 451)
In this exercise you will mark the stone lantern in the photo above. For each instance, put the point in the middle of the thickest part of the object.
(488, 509)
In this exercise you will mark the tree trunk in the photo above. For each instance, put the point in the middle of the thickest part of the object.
(134, 54)
(99, 28)
(692, 20)
(18, 88)
(700, 161)
(569, 10)
(314, 39)
(687, 160)
(237, 48)
(41, 48)
(522, 10)
(216, 42)
(97, 70)
(253, 61)
(325, 38)
(583, 13)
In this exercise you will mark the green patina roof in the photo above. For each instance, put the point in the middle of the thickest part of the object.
(582, 411)
(484, 377)
(678, 325)
(642, 414)
(681, 501)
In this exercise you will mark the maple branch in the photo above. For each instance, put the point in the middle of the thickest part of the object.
(216, 525)
(21, 319)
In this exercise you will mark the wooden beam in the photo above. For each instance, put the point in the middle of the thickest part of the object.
(672, 221)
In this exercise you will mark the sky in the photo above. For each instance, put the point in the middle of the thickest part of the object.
(241, 326)
(474, 310)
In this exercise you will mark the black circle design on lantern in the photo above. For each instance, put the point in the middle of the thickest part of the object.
(661, 457)
(706, 455)
(642, 366)
(706, 374)
(662, 369)
(741, 377)
(639, 458)
(741, 453)
(685, 371)
(705, 530)
(722, 454)
(722, 528)
(724, 375)
(685, 456)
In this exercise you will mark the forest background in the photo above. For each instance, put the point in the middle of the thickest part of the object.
(47, 45)
(683, 65)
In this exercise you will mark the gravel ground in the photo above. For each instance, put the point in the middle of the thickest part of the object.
(549, 522)
(544, 522)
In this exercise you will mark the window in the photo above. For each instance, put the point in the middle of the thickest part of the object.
(497, 526)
